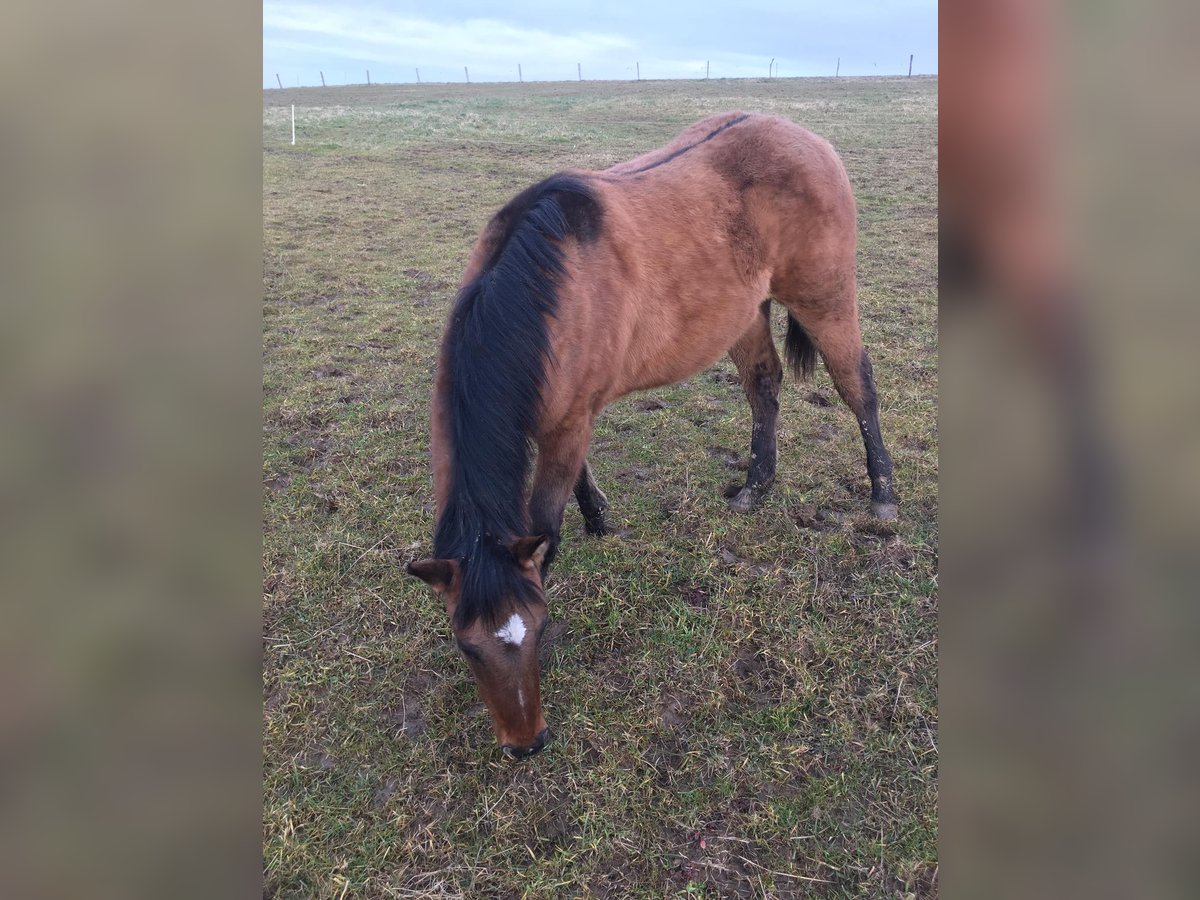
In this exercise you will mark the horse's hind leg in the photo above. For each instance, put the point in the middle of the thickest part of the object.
(592, 502)
(761, 374)
(839, 340)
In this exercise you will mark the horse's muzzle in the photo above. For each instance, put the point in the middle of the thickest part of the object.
(520, 753)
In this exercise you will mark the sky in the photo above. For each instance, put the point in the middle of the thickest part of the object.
(609, 39)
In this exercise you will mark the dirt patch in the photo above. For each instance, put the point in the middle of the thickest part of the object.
(749, 662)
(406, 718)
(278, 482)
(695, 596)
(318, 759)
(356, 287)
(707, 857)
(923, 881)
(823, 433)
(731, 559)
(274, 582)
(649, 404)
(556, 830)
(330, 371)
(383, 792)
(636, 474)
(672, 710)
(292, 420)
(667, 758)
(420, 277)
(813, 519)
(555, 634)
(873, 526)
(276, 699)
(816, 398)
(314, 454)
(855, 487)
(760, 677)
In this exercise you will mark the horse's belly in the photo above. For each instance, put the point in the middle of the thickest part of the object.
(679, 347)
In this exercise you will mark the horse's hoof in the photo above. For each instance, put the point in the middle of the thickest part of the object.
(742, 501)
(885, 512)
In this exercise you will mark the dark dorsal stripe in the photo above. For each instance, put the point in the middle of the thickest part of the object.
(683, 150)
(495, 352)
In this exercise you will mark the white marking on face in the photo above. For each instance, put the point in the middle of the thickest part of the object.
(513, 631)
(521, 699)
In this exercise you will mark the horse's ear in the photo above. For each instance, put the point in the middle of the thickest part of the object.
(437, 573)
(530, 551)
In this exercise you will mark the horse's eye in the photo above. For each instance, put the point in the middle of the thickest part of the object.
(469, 651)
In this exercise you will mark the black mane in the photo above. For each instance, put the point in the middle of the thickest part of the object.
(496, 350)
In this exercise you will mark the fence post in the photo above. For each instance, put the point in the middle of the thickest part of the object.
(838, 70)
(368, 76)
(468, 74)
(579, 66)
(418, 76)
(910, 56)
(322, 79)
(520, 77)
(639, 70)
(280, 80)
(770, 66)
(706, 70)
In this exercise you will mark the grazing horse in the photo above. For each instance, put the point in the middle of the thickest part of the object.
(591, 285)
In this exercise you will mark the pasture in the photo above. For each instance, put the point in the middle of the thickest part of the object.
(741, 705)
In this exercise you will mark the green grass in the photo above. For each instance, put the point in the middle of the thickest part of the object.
(742, 705)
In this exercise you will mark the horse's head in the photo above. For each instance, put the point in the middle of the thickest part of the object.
(502, 650)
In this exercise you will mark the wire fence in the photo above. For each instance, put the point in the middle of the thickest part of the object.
(443, 75)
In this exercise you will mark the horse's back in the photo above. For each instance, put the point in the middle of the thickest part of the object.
(745, 149)
(771, 188)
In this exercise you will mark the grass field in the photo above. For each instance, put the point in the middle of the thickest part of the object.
(741, 705)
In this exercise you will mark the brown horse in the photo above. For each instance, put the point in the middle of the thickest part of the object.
(591, 285)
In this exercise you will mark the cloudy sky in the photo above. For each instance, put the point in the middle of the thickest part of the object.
(547, 38)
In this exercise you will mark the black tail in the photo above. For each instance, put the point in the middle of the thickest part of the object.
(801, 352)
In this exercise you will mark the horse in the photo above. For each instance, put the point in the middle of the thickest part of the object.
(591, 285)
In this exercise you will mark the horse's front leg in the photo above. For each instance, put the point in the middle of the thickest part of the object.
(592, 502)
(561, 467)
